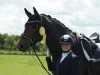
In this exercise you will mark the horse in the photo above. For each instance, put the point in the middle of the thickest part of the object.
(54, 29)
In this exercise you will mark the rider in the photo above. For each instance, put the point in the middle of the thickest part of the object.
(68, 63)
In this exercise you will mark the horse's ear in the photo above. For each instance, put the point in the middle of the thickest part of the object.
(27, 12)
(35, 12)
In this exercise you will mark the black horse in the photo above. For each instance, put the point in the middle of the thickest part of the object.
(54, 29)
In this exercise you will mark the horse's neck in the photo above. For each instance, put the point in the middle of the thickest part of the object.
(54, 48)
(54, 31)
(52, 41)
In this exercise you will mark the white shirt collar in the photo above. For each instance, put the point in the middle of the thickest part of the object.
(64, 55)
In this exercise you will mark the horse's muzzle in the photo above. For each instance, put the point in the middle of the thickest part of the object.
(23, 47)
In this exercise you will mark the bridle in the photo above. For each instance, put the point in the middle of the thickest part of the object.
(32, 39)
(36, 30)
(25, 36)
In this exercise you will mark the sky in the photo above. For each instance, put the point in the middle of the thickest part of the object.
(79, 15)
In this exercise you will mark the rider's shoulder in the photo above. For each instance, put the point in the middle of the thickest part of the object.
(74, 55)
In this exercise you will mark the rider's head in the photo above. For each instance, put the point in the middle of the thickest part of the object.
(66, 42)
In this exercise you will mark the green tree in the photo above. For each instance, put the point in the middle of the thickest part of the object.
(2, 41)
(42, 47)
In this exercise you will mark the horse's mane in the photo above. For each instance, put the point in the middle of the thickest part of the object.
(58, 24)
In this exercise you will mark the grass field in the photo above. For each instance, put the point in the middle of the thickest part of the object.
(20, 65)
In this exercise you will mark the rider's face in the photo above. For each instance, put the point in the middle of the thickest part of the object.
(66, 46)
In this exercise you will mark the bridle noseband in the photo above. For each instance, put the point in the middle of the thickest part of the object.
(25, 36)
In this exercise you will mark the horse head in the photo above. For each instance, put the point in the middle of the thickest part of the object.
(30, 34)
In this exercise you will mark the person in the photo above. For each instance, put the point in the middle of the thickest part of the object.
(68, 63)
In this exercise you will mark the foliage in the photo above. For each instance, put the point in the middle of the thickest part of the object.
(9, 43)
(42, 47)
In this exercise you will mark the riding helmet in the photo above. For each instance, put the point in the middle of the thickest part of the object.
(66, 38)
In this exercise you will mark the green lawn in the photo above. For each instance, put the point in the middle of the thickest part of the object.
(20, 65)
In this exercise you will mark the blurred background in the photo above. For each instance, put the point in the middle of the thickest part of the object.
(82, 16)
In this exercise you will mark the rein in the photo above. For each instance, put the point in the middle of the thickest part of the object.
(41, 64)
